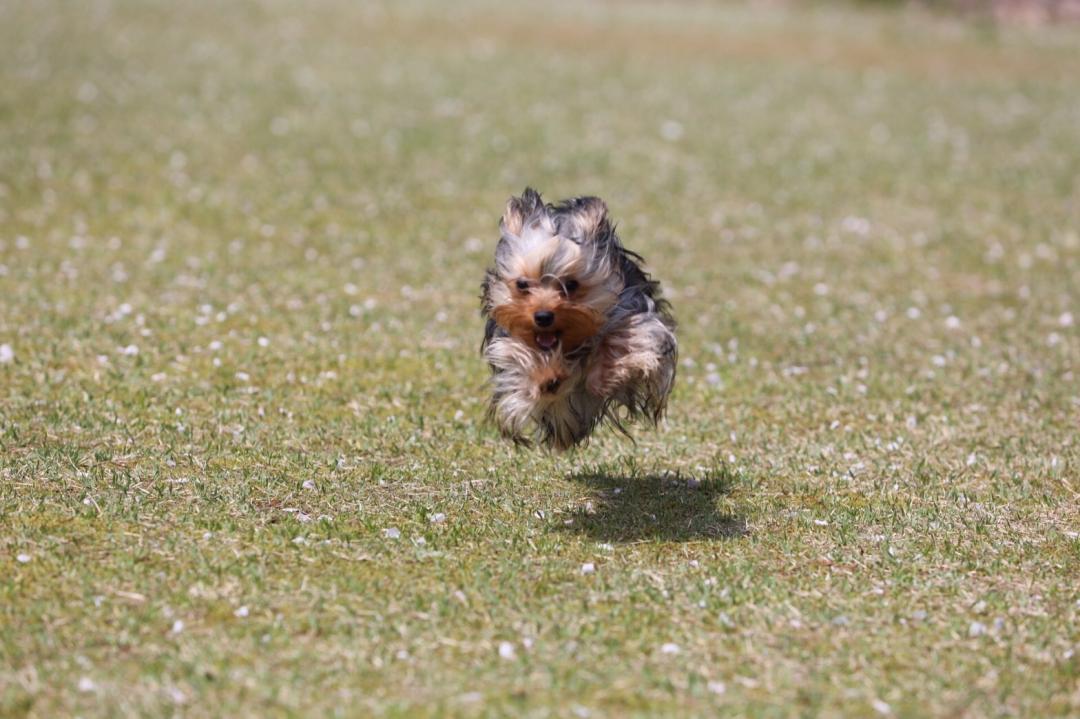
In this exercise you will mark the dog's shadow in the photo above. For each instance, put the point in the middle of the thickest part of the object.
(627, 506)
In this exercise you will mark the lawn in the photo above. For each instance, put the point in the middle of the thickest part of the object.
(244, 463)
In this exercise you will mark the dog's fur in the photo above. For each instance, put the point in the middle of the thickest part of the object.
(608, 351)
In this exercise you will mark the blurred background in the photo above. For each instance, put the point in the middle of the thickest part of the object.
(170, 156)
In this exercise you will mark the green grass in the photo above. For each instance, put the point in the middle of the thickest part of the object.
(866, 496)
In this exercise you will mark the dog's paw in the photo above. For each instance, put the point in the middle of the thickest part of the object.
(547, 379)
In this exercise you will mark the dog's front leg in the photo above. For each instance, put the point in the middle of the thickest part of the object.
(635, 360)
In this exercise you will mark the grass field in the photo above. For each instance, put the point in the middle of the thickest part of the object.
(244, 466)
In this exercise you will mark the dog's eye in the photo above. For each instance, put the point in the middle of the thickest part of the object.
(571, 286)
(523, 284)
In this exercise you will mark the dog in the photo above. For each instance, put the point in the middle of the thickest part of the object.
(577, 333)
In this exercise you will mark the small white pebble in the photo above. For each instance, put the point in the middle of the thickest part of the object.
(881, 707)
(241, 612)
(263, 342)
(670, 648)
(87, 92)
(977, 629)
(588, 568)
(952, 322)
(23, 558)
(971, 459)
(438, 518)
(671, 130)
(130, 350)
(392, 533)
(506, 651)
(86, 685)
(7, 355)
(177, 626)
(856, 225)
(1066, 319)
(308, 484)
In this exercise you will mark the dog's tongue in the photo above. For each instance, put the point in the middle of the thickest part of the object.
(546, 340)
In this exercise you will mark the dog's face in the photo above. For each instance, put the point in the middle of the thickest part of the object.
(555, 276)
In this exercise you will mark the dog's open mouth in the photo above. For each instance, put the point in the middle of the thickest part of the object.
(547, 341)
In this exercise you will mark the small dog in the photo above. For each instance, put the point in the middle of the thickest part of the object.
(576, 329)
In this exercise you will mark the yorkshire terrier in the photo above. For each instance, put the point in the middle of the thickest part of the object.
(577, 333)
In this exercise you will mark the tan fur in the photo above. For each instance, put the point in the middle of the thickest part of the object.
(549, 377)
(534, 255)
(630, 355)
(513, 218)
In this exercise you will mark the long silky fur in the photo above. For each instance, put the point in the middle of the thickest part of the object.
(638, 331)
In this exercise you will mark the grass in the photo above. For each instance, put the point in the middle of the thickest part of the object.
(244, 468)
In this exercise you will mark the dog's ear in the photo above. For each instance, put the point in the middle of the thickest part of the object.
(585, 219)
(519, 210)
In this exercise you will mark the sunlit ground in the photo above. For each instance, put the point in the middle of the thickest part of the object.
(244, 467)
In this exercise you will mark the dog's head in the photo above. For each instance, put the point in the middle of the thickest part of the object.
(556, 273)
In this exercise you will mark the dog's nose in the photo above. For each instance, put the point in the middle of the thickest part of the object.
(544, 318)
